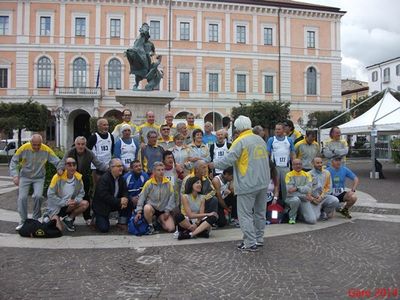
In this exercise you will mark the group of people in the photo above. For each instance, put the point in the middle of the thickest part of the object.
(179, 177)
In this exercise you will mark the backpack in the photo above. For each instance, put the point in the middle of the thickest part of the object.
(34, 228)
(275, 213)
(139, 228)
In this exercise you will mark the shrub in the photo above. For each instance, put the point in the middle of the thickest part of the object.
(50, 171)
(395, 145)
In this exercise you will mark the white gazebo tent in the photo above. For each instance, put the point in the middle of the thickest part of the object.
(383, 117)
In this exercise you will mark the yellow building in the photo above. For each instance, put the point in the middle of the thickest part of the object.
(352, 90)
(215, 55)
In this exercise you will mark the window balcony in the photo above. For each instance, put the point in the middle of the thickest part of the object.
(78, 92)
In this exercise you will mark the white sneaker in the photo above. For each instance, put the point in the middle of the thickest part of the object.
(19, 226)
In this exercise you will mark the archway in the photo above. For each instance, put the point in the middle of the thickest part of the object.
(181, 115)
(215, 118)
(78, 125)
(116, 114)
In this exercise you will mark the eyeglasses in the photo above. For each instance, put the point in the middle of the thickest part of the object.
(117, 166)
(70, 163)
(165, 129)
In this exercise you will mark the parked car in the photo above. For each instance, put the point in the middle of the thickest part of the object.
(8, 147)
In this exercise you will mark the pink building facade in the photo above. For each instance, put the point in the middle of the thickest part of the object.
(68, 55)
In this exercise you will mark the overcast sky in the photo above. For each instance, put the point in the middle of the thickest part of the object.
(370, 33)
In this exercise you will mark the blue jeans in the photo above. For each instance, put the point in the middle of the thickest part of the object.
(103, 222)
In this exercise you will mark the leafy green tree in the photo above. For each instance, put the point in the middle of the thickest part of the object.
(266, 114)
(30, 115)
(112, 122)
(325, 116)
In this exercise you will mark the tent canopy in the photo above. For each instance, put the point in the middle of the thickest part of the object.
(386, 114)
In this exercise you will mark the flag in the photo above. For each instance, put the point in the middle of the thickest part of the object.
(98, 78)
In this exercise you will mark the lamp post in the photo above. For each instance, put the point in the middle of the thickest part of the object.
(59, 113)
(314, 122)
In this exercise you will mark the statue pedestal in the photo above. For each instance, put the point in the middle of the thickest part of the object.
(140, 102)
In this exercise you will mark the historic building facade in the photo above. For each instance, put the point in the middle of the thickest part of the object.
(68, 55)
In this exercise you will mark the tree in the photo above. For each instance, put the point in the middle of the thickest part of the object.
(266, 114)
(358, 111)
(325, 116)
(30, 115)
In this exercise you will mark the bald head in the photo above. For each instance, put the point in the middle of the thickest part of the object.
(36, 142)
(297, 164)
(150, 117)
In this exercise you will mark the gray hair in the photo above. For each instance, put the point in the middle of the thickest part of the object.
(199, 163)
(81, 137)
(180, 125)
(151, 132)
(101, 119)
(258, 129)
(158, 164)
(113, 162)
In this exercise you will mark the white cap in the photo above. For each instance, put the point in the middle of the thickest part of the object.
(242, 123)
(125, 126)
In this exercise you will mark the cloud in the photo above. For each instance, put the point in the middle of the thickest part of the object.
(370, 33)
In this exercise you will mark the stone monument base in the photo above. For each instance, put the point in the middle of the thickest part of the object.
(139, 102)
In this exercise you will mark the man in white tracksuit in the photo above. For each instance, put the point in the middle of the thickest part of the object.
(249, 158)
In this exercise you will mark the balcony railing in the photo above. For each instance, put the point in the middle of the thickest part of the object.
(89, 92)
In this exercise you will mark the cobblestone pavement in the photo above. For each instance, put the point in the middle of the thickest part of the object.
(323, 264)
(384, 190)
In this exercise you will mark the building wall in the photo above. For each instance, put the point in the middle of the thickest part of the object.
(378, 83)
(23, 45)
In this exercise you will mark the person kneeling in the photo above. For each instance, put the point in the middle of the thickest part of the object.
(193, 221)
(111, 194)
(157, 199)
(64, 196)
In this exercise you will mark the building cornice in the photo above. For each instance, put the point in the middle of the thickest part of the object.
(285, 7)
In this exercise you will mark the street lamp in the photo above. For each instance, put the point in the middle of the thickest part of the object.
(59, 113)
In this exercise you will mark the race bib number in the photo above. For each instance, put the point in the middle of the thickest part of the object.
(220, 153)
(281, 161)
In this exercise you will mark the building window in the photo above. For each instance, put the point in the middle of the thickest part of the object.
(115, 28)
(80, 26)
(79, 73)
(267, 36)
(386, 75)
(213, 82)
(45, 23)
(269, 84)
(4, 23)
(310, 39)
(213, 32)
(374, 76)
(184, 31)
(184, 81)
(398, 70)
(155, 30)
(43, 72)
(311, 81)
(114, 74)
(241, 34)
(3, 78)
(241, 83)
(348, 103)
